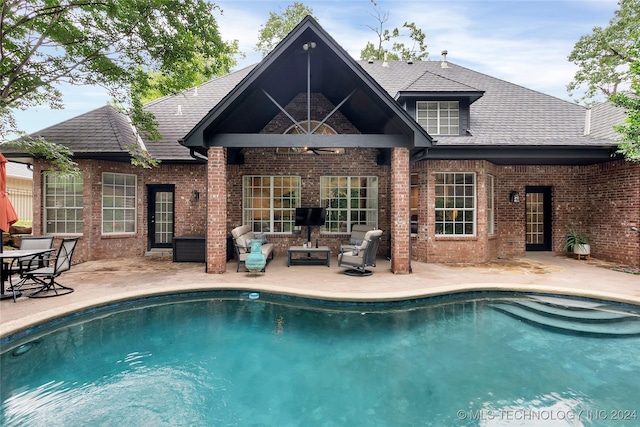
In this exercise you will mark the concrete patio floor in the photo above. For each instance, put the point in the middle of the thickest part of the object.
(102, 282)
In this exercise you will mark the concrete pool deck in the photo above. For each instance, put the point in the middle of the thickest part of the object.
(98, 283)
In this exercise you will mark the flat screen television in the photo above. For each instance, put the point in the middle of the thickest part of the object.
(309, 216)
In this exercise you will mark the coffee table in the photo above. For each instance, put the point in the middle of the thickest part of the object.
(309, 256)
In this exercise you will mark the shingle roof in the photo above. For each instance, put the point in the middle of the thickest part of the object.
(178, 114)
(103, 130)
(603, 116)
(507, 114)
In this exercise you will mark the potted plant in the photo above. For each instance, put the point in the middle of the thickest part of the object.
(577, 243)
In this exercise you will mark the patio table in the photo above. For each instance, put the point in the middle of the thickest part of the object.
(15, 255)
(323, 252)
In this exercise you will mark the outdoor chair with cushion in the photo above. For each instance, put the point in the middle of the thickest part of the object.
(358, 232)
(361, 257)
(242, 237)
(54, 267)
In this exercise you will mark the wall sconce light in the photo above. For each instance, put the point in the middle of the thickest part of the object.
(195, 196)
(514, 197)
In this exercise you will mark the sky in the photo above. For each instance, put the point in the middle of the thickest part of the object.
(525, 42)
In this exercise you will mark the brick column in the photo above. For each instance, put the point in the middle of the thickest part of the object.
(217, 210)
(400, 198)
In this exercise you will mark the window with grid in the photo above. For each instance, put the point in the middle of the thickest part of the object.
(439, 117)
(491, 210)
(63, 204)
(269, 203)
(414, 203)
(349, 200)
(455, 203)
(119, 196)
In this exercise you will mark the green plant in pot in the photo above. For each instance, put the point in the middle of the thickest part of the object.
(577, 243)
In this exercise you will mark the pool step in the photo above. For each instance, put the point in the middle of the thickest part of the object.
(572, 316)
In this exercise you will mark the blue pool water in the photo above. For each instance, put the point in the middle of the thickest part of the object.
(228, 360)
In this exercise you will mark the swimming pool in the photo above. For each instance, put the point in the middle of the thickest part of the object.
(227, 359)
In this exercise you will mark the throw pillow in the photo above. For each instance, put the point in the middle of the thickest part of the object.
(356, 242)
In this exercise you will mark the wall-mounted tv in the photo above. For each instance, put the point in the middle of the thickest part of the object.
(309, 216)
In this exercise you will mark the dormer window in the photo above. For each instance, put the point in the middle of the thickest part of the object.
(439, 117)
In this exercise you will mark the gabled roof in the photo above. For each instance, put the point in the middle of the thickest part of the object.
(504, 115)
(286, 72)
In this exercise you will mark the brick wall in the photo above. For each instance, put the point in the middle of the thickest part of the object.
(310, 167)
(603, 201)
(189, 216)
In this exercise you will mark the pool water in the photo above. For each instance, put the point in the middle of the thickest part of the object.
(234, 361)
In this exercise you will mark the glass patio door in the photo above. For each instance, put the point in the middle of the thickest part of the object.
(538, 218)
(161, 219)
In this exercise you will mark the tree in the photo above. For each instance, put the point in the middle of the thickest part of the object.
(604, 56)
(115, 44)
(279, 25)
(417, 52)
(630, 131)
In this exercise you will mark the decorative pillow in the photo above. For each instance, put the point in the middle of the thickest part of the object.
(261, 237)
(356, 250)
(356, 242)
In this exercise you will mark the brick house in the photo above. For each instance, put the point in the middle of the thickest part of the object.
(453, 165)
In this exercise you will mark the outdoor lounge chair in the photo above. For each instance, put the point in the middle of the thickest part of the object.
(358, 232)
(365, 256)
(242, 237)
(46, 276)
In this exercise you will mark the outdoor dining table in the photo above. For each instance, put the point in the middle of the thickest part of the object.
(16, 255)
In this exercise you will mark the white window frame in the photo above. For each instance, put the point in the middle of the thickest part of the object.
(119, 203)
(491, 206)
(455, 202)
(359, 208)
(439, 117)
(63, 204)
(281, 208)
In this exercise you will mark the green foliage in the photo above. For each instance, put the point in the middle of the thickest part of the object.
(279, 25)
(574, 238)
(58, 155)
(399, 51)
(604, 56)
(114, 44)
(630, 131)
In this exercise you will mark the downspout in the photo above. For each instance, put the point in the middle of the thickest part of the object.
(197, 156)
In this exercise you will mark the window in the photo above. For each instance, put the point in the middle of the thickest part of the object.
(119, 195)
(414, 203)
(491, 211)
(455, 203)
(349, 200)
(62, 204)
(317, 128)
(270, 202)
(439, 117)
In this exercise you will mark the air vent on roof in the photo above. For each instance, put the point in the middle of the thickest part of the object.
(444, 63)
(179, 112)
(410, 61)
(370, 60)
(385, 63)
(195, 91)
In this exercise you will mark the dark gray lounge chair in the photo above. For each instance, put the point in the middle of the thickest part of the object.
(363, 257)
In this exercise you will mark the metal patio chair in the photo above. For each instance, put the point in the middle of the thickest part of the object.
(46, 276)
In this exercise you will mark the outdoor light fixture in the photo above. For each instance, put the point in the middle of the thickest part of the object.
(195, 196)
(514, 197)
(306, 46)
